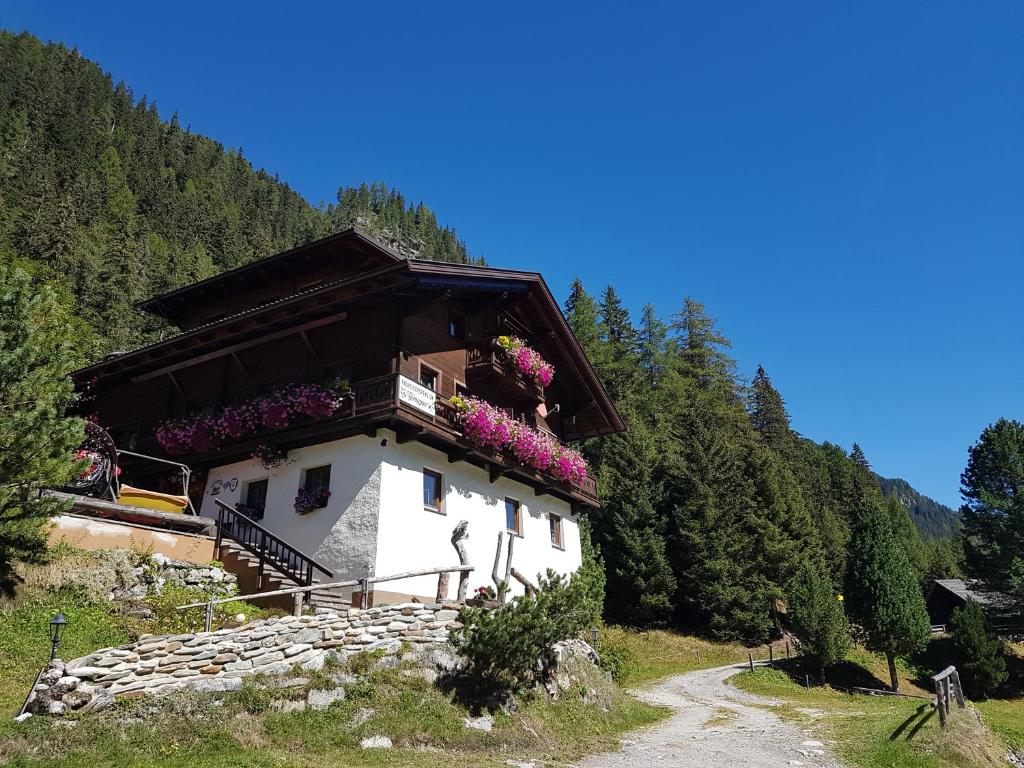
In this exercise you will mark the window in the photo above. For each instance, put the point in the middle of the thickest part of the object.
(316, 483)
(456, 326)
(127, 437)
(555, 523)
(429, 377)
(513, 518)
(432, 490)
(255, 499)
(461, 389)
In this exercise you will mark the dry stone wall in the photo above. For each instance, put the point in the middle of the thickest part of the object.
(217, 661)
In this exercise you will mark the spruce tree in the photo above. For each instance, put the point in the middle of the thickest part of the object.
(981, 658)
(581, 312)
(768, 414)
(992, 487)
(882, 590)
(37, 438)
(817, 617)
(630, 534)
(619, 365)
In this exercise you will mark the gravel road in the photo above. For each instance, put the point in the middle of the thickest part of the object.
(715, 726)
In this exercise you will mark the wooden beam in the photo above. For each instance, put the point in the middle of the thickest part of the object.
(542, 490)
(495, 472)
(407, 434)
(240, 364)
(240, 346)
(309, 345)
(458, 454)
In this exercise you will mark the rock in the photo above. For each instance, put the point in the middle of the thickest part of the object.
(376, 742)
(216, 685)
(361, 717)
(296, 649)
(23, 717)
(482, 723)
(318, 699)
(64, 685)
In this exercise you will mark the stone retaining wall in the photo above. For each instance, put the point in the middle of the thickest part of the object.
(217, 661)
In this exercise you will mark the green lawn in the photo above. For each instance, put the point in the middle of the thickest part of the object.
(877, 731)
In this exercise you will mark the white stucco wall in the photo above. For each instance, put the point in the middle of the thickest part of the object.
(342, 535)
(411, 537)
(375, 522)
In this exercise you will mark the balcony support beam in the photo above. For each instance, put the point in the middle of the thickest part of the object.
(496, 472)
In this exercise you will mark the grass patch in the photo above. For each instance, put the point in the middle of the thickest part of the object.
(254, 727)
(877, 731)
(722, 716)
(643, 657)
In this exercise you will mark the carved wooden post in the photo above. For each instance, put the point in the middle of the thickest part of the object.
(508, 566)
(497, 561)
(442, 588)
(297, 604)
(458, 535)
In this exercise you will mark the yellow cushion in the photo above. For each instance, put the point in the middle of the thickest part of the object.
(162, 502)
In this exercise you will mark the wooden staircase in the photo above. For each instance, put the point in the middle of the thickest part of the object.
(263, 562)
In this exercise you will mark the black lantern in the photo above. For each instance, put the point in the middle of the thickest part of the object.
(593, 635)
(57, 625)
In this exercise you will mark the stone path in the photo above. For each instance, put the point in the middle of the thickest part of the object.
(714, 726)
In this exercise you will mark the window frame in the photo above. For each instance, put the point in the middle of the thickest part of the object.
(266, 493)
(438, 507)
(437, 377)
(305, 481)
(518, 530)
(555, 526)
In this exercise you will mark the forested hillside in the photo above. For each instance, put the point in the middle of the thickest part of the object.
(101, 196)
(933, 519)
(711, 502)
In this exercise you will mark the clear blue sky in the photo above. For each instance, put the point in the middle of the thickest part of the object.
(841, 183)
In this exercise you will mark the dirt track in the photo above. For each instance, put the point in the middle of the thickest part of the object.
(714, 726)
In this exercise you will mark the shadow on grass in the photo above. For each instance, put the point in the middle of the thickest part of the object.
(845, 674)
(914, 723)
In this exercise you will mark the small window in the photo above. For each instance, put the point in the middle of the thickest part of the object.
(316, 482)
(513, 518)
(255, 499)
(555, 523)
(456, 326)
(432, 490)
(429, 377)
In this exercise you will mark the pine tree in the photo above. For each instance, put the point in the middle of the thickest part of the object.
(581, 312)
(619, 365)
(882, 591)
(631, 535)
(817, 617)
(768, 414)
(651, 347)
(981, 655)
(992, 487)
(37, 439)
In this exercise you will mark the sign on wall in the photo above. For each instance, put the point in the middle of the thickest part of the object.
(416, 395)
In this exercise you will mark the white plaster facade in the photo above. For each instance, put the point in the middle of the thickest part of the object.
(375, 522)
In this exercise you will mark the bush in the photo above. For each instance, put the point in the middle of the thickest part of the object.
(981, 660)
(616, 655)
(503, 645)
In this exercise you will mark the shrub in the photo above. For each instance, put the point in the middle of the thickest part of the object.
(503, 645)
(615, 654)
(818, 618)
(980, 653)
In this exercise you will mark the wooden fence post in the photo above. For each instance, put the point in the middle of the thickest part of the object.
(297, 604)
(208, 617)
(750, 658)
(442, 588)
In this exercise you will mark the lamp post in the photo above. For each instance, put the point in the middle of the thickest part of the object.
(57, 625)
(593, 635)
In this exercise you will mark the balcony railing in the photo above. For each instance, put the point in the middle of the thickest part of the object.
(490, 369)
(379, 398)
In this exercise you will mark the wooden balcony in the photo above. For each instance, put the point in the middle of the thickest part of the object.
(379, 403)
(491, 372)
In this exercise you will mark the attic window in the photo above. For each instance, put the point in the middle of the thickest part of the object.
(456, 325)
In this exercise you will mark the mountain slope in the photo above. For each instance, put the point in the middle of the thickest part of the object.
(933, 520)
(101, 196)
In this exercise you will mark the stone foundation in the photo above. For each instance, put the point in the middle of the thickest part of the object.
(217, 661)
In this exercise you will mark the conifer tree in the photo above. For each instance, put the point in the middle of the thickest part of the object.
(581, 312)
(992, 487)
(619, 364)
(37, 439)
(817, 617)
(768, 414)
(630, 534)
(882, 591)
(651, 347)
(981, 654)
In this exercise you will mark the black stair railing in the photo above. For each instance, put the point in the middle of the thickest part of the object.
(270, 549)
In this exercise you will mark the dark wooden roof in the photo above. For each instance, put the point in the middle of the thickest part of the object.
(349, 252)
(386, 275)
